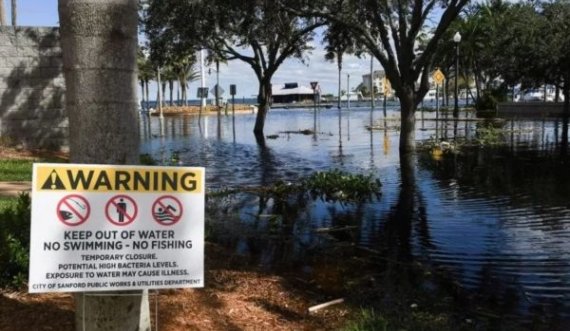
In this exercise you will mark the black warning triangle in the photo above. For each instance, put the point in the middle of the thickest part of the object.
(53, 182)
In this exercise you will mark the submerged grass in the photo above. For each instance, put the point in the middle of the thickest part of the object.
(367, 320)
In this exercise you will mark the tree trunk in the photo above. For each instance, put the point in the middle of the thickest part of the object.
(142, 94)
(407, 112)
(2, 14)
(566, 93)
(264, 99)
(163, 94)
(147, 94)
(14, 12)
(171, 88)
(99, 44)
(339, 81)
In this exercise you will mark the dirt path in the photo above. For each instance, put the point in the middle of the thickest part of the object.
(13, 189)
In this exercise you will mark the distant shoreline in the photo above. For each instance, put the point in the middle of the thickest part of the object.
(206, 110)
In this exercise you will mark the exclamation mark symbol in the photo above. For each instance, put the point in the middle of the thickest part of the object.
(53, 182)
(53, 177)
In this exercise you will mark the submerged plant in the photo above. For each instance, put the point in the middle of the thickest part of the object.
(489, 135)
(336, 185)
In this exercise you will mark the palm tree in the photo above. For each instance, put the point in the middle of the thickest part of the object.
(2, 14)
(145, 74)
(103, 122)
(185, 71)
(169, 76)
(14, 11)
(339, 42)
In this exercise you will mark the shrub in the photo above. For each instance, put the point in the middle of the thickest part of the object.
(15, 242)
(487, 101)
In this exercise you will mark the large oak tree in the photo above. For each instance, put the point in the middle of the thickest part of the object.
(256, 32)
(389, 30)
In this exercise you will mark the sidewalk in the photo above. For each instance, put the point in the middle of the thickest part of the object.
(12, 189)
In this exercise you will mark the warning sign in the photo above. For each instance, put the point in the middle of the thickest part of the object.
(89, 178)
(103, 228)
(167, 210)
(121, 210)
(438, 76)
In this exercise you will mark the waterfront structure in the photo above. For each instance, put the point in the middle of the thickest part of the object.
(291, 93)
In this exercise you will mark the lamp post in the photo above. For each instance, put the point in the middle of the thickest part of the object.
(456, 40)
(314, 86)
(217, 87)
(348, 91)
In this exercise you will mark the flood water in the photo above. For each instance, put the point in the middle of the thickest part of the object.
(495, 220)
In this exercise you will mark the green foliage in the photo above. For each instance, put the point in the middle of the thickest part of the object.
(230, 30)
(330, 186)
(7, 202)
(146, 159)
(524, 42)
(338, 185)
(410, 319)
(488, 134)
(487, 101)
(16, 170)
(367, 320)
(14, 241)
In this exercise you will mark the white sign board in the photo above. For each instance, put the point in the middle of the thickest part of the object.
(108, 227)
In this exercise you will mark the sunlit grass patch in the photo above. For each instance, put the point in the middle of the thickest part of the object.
(16, 170)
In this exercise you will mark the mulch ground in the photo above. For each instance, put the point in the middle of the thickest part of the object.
(237, 296)
(234, 298)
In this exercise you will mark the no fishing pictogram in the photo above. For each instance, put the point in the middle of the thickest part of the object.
(121, 210)
(167, 210)
(73, 210)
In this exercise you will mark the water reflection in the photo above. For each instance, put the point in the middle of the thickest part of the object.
(496, 220)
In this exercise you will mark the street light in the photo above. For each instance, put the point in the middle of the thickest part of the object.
(217, 88)
(315, 86)
(456, 40)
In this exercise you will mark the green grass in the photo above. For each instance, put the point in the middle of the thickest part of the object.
(367, 320)
(411, 320)
(16, 170)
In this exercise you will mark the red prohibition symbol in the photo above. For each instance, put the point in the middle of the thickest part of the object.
(121, 210)
(73, 210)
(167, 210)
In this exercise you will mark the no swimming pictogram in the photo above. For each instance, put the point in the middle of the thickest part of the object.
(121, 210)
(73, 210)
(167, 210)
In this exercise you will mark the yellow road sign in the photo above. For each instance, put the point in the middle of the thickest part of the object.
(387, 87)
(438, 77)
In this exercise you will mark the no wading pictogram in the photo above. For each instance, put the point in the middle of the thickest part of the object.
(73, 210)
(167, 210)
(121, 210)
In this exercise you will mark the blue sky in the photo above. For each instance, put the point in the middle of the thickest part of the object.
(44, 13)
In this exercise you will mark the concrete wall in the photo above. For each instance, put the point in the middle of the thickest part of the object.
(542, 109)
(32, 88)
